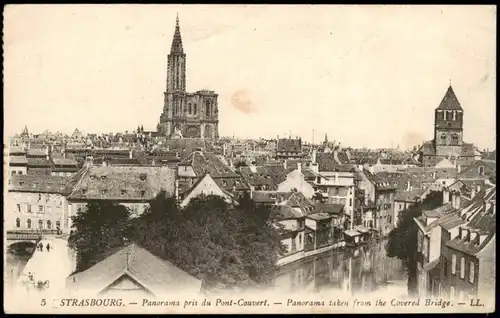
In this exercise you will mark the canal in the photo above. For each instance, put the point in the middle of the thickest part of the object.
(362, 270)
(15, 263)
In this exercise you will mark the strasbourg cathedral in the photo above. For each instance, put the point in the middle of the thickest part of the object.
(186, 115)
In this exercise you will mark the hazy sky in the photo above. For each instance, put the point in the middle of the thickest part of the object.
(366, 75)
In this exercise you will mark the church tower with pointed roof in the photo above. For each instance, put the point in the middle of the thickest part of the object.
(448, 142)
(194, 115)
(448, 122)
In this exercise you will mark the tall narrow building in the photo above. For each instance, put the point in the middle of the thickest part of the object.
(448, 142)
(186, 115)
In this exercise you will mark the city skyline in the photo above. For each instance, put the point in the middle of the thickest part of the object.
(383, 72)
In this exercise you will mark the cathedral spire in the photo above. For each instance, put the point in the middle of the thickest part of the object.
(177, 40)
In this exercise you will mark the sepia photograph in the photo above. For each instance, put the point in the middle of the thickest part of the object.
(215, 159)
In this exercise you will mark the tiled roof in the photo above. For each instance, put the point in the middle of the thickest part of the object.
(38, 184)
(428, 148)
(33, 152)
(332, 208)
(185, 146)
(18, 160)
(450, 101)
(207, 162)
(289, 145)
(64, 162)
(13, 150)
(468, 150)
(269, 196)
(263, 176)
(124, 183)
(319, 216)
(153, 273)
(39, 162)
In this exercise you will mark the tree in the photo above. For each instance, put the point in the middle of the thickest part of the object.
(98, 231)
(403, 238)
(259, 241)
(219, 244)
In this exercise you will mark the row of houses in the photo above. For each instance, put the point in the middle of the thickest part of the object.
(456, 244)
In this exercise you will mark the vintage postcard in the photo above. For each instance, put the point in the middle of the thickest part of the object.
(249, 159)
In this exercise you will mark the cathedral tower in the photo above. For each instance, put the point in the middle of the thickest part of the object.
(192, 115)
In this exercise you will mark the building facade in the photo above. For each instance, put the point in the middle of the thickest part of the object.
(193, 115)
(448, 139)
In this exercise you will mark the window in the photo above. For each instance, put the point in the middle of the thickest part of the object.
(454, 115)
(28, 224)
(40, 224)
(462, 267)
(471, 272)
(58, 225)
(300, 238)
(40, 209)
(207, 108)
(453, 264)
(189, 108)
(49, 224)
(13, 172)
(195, 108)
(350, 202)
(18, 223)
(29, 208)
(18, 207)
(39, 197)
(481, 171)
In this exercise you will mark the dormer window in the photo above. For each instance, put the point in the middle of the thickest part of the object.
(224, 183)
(143, 176)
(21, 183)
(104, 191)
(123, 192)
(103, 178)
(84, 191)
(480, 170)
(143, 193)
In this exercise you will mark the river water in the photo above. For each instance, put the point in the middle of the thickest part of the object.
(363, 270)
(15, 263)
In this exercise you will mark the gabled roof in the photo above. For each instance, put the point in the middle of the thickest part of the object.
(154, 274)
(123, 183)
(450, 101)
(38, 184)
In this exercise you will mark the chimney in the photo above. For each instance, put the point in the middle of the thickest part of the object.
(446, 196)
(177, 189)
(313, 156)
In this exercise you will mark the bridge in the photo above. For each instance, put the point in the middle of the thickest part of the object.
(20, 239)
